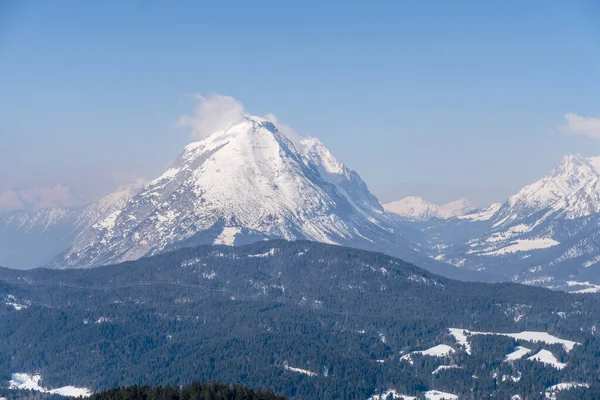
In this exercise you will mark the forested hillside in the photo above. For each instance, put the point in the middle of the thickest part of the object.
(197, 391)
(304, 319)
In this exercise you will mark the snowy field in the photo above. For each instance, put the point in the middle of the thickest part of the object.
(32, 382)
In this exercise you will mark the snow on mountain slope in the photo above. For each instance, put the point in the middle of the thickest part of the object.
(39, 221)
(441, 350)
(51, 231)
(546, 357)
(462, 338)
(347, 181)
(420, 209)
(484, 214)
(547, 233)
(573, 173)
(110, 203)
(243, 183)
(517, 354)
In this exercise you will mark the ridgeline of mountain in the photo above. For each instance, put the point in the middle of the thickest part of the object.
(31, 239)
(244, 183)
(420, 209)
(548, 233)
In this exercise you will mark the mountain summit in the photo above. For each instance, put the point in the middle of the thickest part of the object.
(420, 209)
(546, 233)
(244, 183)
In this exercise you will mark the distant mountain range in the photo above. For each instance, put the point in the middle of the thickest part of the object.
(30, 239)
(420, 209)
(246, 183)
(249, 182)
(548, 233)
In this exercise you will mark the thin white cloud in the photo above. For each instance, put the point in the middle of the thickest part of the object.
(9, 200)
(33, 199)
(578, 125)
(216, 111)
(213, 113)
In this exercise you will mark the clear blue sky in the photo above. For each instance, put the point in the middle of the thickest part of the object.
(435, 98)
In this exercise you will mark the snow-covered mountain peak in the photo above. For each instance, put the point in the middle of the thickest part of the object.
(244, 181)
(411, 207)
(254, 132)
(420, 209)
(573, 166)
(458, 207)
(573, 172)
(595, 162)
(315, 150)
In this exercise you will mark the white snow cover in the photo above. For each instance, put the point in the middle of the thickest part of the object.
(11, 300)
(573, 172)
(485, 214)
(524, 245)
(421, 209)
(437, 395)
(269, 253)
(31, 382)
(540, 216)
(511, 232)
(443, 367)
(227, 236)
(552, 391)
(461, 336)
(441, 350)
(546, 357)
(301, 371)
(248, 177)
(393, 393)
(519, 353)
(587, 287)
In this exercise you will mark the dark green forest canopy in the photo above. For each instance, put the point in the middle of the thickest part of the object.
(259, 314)
(194, 391)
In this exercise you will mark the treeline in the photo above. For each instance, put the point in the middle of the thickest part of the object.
(195, 391)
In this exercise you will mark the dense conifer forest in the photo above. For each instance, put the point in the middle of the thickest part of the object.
(303, 319)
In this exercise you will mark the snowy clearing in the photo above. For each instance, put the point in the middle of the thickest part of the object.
(301, 371)
(519, 353)
(461, 336)
(262, 255)
(227, 236)
(444, 367)
(31, 382)
(393, 393)
(524, 245)
(437, 395)
(441, 350)
(546, 357)
(554, 389)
